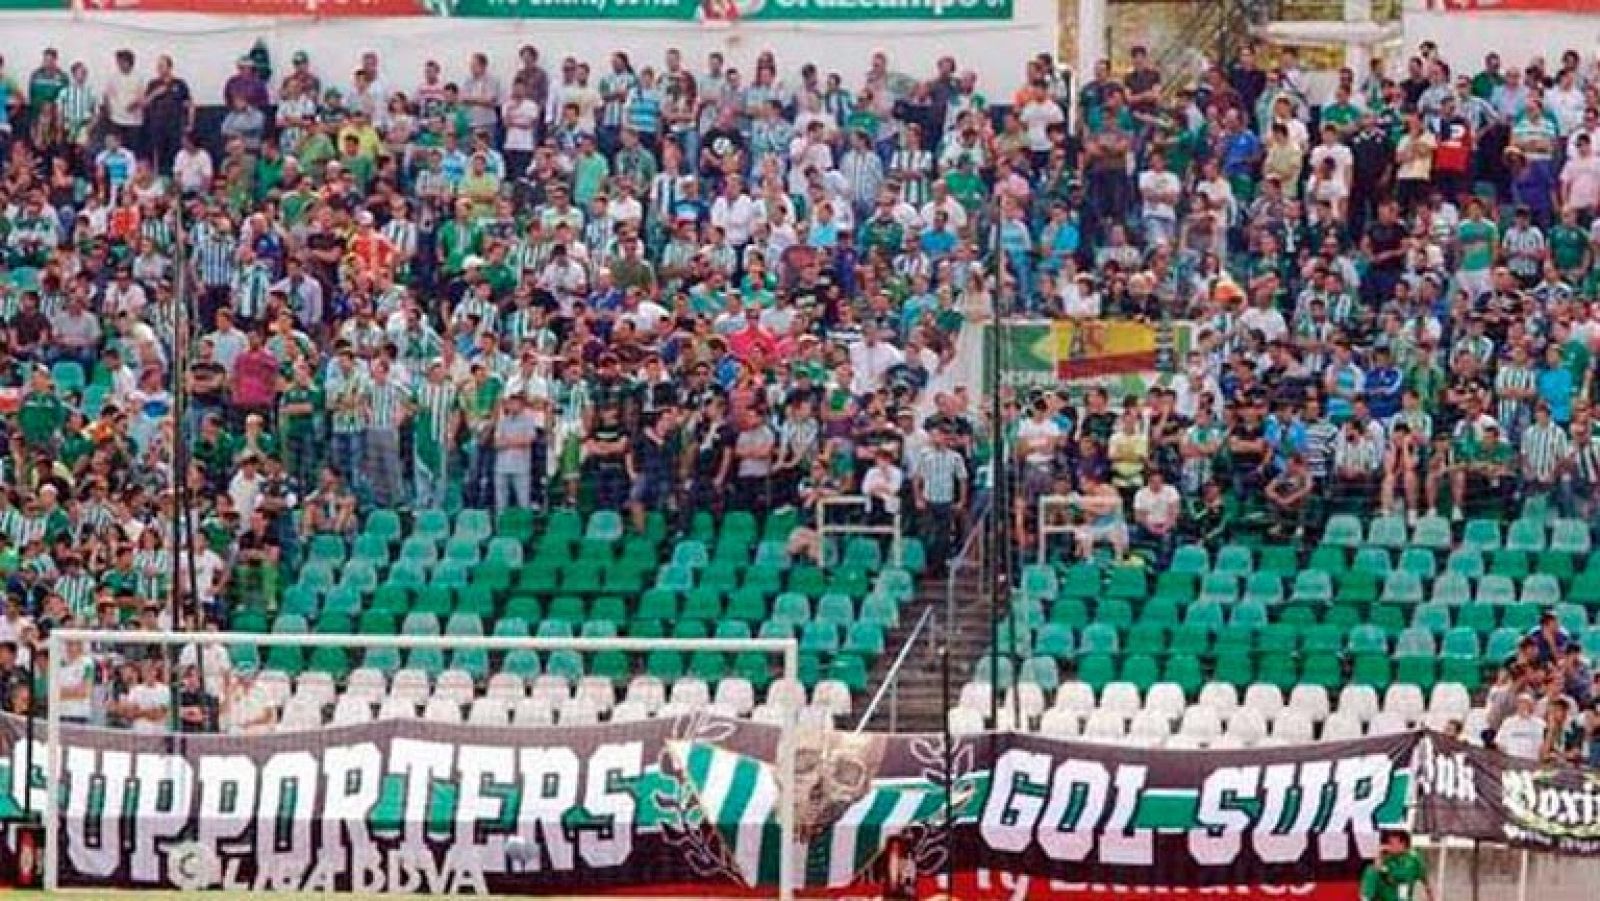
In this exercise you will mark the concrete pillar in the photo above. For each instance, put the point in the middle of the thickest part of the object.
(1358, 55)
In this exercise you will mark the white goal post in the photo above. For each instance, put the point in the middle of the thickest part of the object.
(788, 649)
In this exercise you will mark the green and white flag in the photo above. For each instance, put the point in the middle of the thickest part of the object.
(739, 796)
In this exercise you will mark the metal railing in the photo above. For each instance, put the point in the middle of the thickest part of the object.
(891, 530)
(891, 680)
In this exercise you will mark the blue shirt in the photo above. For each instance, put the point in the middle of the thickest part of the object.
(1383, 392)
(1555, 387)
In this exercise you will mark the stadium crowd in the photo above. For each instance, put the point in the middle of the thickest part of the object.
(670, 284)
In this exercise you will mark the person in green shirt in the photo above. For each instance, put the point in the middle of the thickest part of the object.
(1478, 238)
(1343, 115)
(42, 414)
(1399, 873)
(1569, 247)
(458, 239)
(47, 82)
(358, 164)
(315, 149)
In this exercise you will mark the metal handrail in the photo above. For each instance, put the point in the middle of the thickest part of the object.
(891, 679)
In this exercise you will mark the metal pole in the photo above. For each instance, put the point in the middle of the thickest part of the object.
(1444, 863)
(32, 714)
(786, 793)
(1522, 878)
(949, 769)
(52, 782)
(1476, 849)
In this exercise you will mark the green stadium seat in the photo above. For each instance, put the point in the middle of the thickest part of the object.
(865, 639)
(863, 552)
(1313, 586)
(377, 622)
(1142, 670)
(1099, 638)
(1542, 589)
(1570, 536)
(1220, 588)
(819, 638)
(808, 580)
(1114, 612)
(1573, 618)
(651, 628)
(1466, 562)
(1175, 586)
(611, 665)
(1374, 561)
(1494, 589)
(1526, 535)
(473, 525)
(1185, 671)
(1432, 532)
(1161, 611)
(778, 630)
(1071, 612)
(1402, 588)
(432, 526)
(838, 609)
(505, 551)
(1373, 670)
(1420, 562)
(510, 627)
(285, 658)
(1368, 638)
(1248, 613)
(1193, 640)
(473, 661)
(1055, 640)
(1041, 671)
(1387, 532)
(1323, 670)
(1205, 614)
(1433, 616)
(1264, 588)
(516, 523)
(429, 660)
(557, 629)
(373, 549)
(1191, 559)
(1452, 588)
(1522, 617)
(1237, 670)
(1482, 535)
(604, 525)
(1422, 672)
(1509, 563)
(792, 607)
(1127, 583)
(521, 662)
(733, 630)
(691, 628)
(1502, 645)
(702, 604)
(342, 601)
(710, 666)
(384, 660)
(1281, 560)
(998, 671)
(1585, 589)
(880, 611)
(1342, 531)
(1358, 588)
(1235, 560)
(566, 663)
(1040, 582)
(300, 600)
(1328, 559)
(1480, 618)
(913, 555)
(1147, 638)
(523, 607)
(1081, 581)
(1096, 669)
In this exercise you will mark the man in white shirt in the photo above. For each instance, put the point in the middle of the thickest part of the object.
(1155, 510)
(882, 485)
(1521, 736)
(124, 99)
(150, 702)
(1159, 190)
(192, 168)
(872, 358)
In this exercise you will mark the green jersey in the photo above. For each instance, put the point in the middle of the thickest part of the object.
(1567, 246)
(1395, 878)
(1478, 239)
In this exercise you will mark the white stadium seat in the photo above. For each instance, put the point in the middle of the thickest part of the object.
(647, 691)
(1264, 699)
(738, 694)
(1121, 698)
(1359, 701)
(1166, 699)
(442, 709)
(1077, 697)
(1405, 701)
(1341, 726)
(1219, 696)
(487, 711)
(1311, 700)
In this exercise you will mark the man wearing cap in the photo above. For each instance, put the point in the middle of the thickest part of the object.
(245, 85)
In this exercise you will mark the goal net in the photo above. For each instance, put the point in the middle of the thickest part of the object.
(444, 763)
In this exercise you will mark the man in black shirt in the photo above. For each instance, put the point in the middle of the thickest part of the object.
(722, 146)
(649, 463)
(1385, 246)
(168, 113)
(1372, 159)
(605, 454)
(197, 709)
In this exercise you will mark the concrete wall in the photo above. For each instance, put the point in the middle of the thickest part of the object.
(1550, 878)
(1464, 38)
(205, 46)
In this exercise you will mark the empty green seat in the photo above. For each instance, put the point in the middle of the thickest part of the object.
(1191, 559)
(472, 661)
(1099, 638)
(1312, 586)
(1264, 588)
(1342, 531)
(566, 663)
(473, 525)
(1526, 535)
(1574, 619)
(1236, 669)
(1480, 618)
(1323, 670)
(1127, 583)
(1466, 562)
(521, 662)
(1186, 672)
(1220, 588)
(604, 525)
(1235, 560)
(1281, 560)
(1434, 617)
(384, 660)
(1373, 670)
(1481, 534)
(1387, 532)
(1432, 532)
(1040, 582)
(1452, 588)
(516, 523)
(1496, 590)
(1502, 645)
(1142, 671)
(1402, 588)
(1420, 562)
(1097, 670)
(1055, 640)
(431, 526)
(1415, 642)
(1542, 589)
(1570, 536)
(866, 639)
(1374, 560)
(1512, 564)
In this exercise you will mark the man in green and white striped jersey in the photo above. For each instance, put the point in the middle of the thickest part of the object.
(389, 405)
(437, 417)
